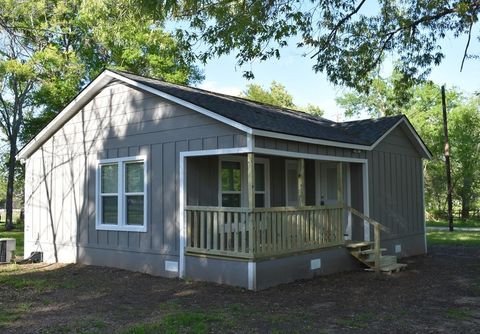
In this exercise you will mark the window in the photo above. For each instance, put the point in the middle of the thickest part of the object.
(231, 183)
(261, 183)
(121, 194)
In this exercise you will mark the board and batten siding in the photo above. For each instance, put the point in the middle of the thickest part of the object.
(396, 190)
(119, 121)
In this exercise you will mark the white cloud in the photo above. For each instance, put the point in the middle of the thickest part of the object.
(214, 87)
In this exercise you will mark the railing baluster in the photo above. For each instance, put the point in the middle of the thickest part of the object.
(215, 230)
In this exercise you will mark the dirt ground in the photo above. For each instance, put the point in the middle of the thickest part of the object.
(438, 293)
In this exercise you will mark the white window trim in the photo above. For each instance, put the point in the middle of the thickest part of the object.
(122, 195)
(243, 177)
(266, 165)
(243, 174)
(289, 163)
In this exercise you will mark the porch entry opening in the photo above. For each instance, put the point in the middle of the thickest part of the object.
(265, 206)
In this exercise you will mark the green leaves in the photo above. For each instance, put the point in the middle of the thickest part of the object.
(277, 95)
(349, 39)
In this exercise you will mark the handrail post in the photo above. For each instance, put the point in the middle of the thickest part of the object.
(377, 248)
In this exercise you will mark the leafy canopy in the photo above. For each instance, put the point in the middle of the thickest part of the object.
(424, 110)
(347, 39)
(277, 95)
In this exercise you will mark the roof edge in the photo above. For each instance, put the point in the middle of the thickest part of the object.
(424, 149)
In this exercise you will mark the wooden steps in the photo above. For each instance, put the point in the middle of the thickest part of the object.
(365, 253)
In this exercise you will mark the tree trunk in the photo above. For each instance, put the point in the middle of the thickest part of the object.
(465, 208)
(447, 163)
(10, 182)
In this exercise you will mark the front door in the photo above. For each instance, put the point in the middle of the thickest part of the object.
(291, 182)
(327, 189)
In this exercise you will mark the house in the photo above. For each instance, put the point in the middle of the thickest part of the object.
(175, 181)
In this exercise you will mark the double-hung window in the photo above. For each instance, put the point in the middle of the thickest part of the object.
(231, 182)
(121, 194)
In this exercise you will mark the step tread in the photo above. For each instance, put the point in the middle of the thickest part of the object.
(371, 251)
(359, 244)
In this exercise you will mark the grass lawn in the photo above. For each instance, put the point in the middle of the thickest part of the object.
(456, 223)
(453, 238)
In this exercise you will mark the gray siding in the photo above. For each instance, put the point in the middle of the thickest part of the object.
(120, 121)
(202, 181)
(395, 187)
(292, 146)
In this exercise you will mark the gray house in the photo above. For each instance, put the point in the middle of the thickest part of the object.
(175, 181)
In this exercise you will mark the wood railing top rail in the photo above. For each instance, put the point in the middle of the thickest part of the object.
(256, 210)
(368, 219)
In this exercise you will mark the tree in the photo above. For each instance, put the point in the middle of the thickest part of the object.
(277, 95)
(348, 39)
(424, 111)
(51, 49)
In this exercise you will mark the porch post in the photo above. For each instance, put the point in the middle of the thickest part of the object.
(340, 197)
(251, 180)
(301, 182)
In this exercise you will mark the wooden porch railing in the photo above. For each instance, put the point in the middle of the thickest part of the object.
(376, 234)
(262, 232)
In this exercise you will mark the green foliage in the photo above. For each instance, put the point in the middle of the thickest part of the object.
(277, 95)
(348, 39)
(424, 109)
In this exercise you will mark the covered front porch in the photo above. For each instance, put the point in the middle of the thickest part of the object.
(255, 207)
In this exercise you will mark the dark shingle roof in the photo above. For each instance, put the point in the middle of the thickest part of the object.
(271, 118)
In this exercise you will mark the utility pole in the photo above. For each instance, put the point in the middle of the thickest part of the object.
(447, 162)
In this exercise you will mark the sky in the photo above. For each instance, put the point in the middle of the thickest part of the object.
(295, 72)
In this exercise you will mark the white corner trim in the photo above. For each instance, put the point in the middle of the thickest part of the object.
(181, 214)
(412, 130)
(179, 101)
(423, 209)
(366, 201)
(252, 275)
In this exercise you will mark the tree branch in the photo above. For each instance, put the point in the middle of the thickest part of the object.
(466, 46)
(333, 32)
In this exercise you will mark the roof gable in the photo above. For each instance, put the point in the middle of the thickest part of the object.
(245, 115)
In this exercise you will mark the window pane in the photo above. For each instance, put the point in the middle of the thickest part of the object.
(110, 210)
(292, 185)
(134, 177)
(331, 183)
(231, 176)
(231, 200)
(260, 177)
(259, 200)
(135, 210)
(109, 178)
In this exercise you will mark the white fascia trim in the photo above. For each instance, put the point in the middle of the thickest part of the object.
(306, 155)
(101, 81)
(412, 130)
(366, 201)
(184, 103)
(284, 136)
(183, 194)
